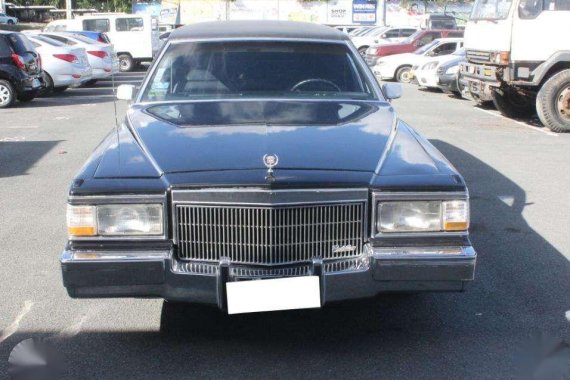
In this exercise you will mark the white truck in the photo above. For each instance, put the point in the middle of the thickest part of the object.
(518, 56)
(135, 38)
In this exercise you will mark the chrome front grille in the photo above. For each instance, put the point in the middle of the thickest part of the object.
(478, 56)
(269, 235)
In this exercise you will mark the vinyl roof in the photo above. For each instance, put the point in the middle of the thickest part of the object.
(258, 29)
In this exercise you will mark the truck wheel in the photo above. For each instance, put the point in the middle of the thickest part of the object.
(403, 74)
(512, 104)
(126, 62)
(553, 102)
(7, 94)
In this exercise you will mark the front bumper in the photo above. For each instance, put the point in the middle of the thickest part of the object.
(426, 78)
(480, 80)
(448, 82)
(159, 274)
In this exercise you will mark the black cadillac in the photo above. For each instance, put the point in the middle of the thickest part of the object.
(261, 167)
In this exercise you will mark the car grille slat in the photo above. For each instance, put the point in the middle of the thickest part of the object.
(478, 56)
(269, 235)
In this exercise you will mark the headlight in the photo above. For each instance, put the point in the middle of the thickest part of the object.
(452, 70)
(422, 216)
(430, 66)
(115, 220)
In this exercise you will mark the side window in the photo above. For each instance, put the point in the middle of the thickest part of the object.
(97, 25)
(532, 8)
(130, 24)
(426, 39)
(444, 49)
(408, 32)
(393, 33)
(5, 50)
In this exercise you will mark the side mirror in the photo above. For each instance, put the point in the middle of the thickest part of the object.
(126, 92)
(392, 90)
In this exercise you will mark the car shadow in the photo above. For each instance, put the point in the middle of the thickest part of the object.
(17, 157)
(521, 287)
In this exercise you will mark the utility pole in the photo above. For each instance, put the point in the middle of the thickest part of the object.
(2, 6)
(68, 8)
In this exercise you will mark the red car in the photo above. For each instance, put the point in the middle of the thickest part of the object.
(410, 44)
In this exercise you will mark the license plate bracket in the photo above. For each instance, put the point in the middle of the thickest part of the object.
(273, 294)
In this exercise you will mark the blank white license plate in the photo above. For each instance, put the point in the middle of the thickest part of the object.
(274, 294)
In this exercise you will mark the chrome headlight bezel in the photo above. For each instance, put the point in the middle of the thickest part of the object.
(443, 197)
(136, 201)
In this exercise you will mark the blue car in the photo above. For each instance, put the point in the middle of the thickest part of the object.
(97, 36)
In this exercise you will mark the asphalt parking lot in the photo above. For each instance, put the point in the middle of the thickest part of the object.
(518, 181)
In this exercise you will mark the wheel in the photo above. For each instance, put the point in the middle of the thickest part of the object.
(48, 85)
(27, 97)
(403, 74)
(10, 22)
(126, 62)
(91, 82)
(59, 90)
(7, 94)
(362, 50)
(553, 102)
(511, 104)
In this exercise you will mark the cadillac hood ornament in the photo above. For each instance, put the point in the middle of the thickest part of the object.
(270, 161)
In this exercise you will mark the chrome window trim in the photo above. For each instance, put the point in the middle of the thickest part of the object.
(358, 195)
(95, 200)
(413, 196)
(364, 69)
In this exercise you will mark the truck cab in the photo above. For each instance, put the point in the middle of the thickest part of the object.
(518, 57)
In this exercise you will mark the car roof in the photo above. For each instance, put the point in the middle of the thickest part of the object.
(258, 29)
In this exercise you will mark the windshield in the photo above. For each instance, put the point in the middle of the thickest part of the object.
(257, 69)
(491, 9)
(460, 52)
(21, 43)
(373, 31)
(427, 47)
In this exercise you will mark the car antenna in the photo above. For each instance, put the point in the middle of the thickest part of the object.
(116, 117)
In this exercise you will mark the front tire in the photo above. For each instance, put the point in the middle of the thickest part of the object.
(59, 90)
(553, 102)
(7, 94)
(403, 74)
(512, 104)
(126, 63)
(10, 22)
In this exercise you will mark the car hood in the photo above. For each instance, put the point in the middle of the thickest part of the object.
(404, 58)
(235, 135)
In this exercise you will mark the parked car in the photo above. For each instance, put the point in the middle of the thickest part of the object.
(5, 19)
(102, 58)
(97, 36)
(448, 73)
(359, 30)
(264, 174)
(410, 44)
(424, 72)
(63, 66)
(20, 69)
(134, 37)
(399, 66)
(381, 34)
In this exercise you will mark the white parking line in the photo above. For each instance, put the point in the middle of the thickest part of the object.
(536, 129)
(10, 330)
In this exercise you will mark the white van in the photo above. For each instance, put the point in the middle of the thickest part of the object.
(135, 38)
